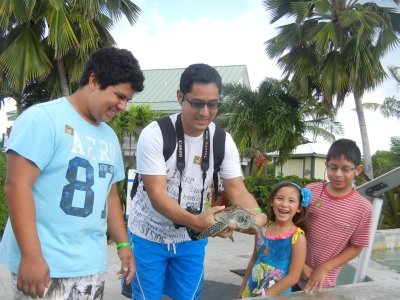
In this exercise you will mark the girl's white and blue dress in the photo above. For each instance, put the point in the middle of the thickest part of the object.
(273, 261)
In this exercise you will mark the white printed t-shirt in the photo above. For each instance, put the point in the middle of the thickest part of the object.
(146, 222)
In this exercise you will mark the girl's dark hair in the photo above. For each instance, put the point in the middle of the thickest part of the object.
(299, 219)
(199, 73)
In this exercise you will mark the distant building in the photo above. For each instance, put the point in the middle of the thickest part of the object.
(160, 86)
(307, 161)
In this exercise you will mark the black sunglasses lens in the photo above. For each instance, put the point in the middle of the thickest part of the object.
(212, 105)
(198, 104)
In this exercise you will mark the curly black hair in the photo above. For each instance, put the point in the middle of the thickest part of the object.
(113, 66)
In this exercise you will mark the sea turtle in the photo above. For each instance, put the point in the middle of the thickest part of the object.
(234, 215)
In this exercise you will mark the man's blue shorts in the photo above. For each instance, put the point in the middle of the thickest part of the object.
(175, 270)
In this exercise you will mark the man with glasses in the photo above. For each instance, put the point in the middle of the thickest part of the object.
(169, 202)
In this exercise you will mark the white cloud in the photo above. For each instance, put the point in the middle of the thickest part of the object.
(160, 43)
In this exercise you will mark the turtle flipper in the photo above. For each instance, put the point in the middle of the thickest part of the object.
(212, 230)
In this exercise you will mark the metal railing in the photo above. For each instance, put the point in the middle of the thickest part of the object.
(374, 190)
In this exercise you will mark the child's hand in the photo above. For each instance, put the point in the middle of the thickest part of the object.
(306, 272)
(261, 219)
(316, 280)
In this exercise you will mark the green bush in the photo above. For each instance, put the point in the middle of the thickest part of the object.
(3, 203)
(390, 215)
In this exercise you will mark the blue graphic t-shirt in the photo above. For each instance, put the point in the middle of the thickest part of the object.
(79, 162)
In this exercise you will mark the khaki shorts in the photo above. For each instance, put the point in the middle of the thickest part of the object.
(74, 288)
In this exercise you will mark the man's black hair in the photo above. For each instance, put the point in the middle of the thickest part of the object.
(346, 148)
(113, 66)
(199, 73)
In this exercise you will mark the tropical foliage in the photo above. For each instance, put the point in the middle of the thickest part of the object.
(272, 119)
(333, 48)
(127, 125)
(385, 161)
(390, 216)
(48, 42)
(391, 105)
(320, 121)
(265, 120)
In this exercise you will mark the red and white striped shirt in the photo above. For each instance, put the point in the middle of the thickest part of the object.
(334, 224)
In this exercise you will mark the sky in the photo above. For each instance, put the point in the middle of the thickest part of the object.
(177, 33)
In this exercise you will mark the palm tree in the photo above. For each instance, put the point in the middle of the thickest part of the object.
(320, 121)
(268, 119)
(50, 40)
(391, 105)
(33, 92)
(334, 48)
(128, 124)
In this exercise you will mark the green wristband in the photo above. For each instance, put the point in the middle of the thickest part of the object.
(257, 209)
(124, 244)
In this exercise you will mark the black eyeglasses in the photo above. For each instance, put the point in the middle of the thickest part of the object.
(199, 104)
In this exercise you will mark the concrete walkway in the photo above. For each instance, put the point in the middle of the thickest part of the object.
(221, 283)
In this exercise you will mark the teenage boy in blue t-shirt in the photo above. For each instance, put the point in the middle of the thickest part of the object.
(63, 162)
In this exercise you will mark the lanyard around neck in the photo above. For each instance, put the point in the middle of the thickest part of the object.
(180, 156)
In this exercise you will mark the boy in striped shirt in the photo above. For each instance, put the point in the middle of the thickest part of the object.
(339, 219)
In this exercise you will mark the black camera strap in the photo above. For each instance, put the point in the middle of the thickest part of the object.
(180, 157)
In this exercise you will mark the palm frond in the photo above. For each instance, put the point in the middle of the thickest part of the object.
(302, 10)
(61, 34)
(14, 10)
(389, 108)
(24, 58)
(278, 8)
(394, 71)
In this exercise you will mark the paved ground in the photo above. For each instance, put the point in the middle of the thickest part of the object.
(220, 283)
